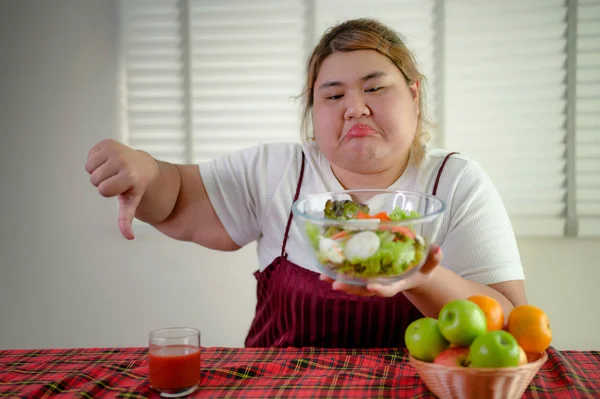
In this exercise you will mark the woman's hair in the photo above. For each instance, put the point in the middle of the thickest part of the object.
(365, 34)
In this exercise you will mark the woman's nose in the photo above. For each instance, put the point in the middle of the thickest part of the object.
(356, 107)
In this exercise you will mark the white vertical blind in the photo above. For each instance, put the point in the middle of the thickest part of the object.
(154, 83)
(505, 102)
(588, 117)
(247, 67)
(414, 20)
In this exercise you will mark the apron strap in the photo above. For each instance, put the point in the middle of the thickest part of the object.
(289, 222)
(439, 174)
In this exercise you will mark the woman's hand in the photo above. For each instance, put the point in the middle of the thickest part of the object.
(416, 280)
(117, 170)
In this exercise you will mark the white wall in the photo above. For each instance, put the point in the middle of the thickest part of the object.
(67, 277)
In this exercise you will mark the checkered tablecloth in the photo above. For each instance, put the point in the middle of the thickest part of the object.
(264, 373)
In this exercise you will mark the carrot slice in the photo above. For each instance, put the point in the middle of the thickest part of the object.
(339, 235)
(381, 216)
(362, 215)
(404, 231)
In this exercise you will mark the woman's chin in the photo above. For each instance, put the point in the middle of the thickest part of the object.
(366, 158)
(358, 163)
(363, 150)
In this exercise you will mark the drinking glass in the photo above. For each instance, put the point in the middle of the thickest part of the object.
(174, 361)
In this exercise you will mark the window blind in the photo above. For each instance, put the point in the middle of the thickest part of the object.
(587, 117)
(505, 102)
(247, 64)
(154, 108)
(204, 78)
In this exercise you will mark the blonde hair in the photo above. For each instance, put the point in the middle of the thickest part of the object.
(366, 34)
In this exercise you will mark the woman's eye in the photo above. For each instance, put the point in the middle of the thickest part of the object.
(374, 89)
(335, 97)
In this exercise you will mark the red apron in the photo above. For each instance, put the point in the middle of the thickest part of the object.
(295, 308)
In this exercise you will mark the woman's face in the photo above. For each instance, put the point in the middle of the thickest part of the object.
(364, 114)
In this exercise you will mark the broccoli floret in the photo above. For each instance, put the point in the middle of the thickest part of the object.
(343, 210)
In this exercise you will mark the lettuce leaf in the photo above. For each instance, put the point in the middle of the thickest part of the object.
(313, 233)
(400, 214)
(393, 257)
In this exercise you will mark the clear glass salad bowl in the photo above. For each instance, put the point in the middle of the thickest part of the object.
(366, 236)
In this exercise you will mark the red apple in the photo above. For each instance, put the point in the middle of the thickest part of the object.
(532, 357)
(453, 356)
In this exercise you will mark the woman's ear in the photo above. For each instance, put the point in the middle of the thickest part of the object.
(415, 92)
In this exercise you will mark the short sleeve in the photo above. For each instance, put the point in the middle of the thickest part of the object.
(480, 244)
(240, 186)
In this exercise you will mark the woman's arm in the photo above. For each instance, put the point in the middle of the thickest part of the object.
(192, 216)
(444, 285)
(170, 197)
(434, 286)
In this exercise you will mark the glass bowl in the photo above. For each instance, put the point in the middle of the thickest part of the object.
(369, 236)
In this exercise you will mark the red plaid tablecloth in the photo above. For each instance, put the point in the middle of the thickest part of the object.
(252, 373)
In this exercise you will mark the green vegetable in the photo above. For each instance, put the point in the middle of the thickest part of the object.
(400, 214)
(313, 233)
(343, 210)
(393, 257)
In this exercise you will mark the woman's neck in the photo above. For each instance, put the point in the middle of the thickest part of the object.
(377, 180)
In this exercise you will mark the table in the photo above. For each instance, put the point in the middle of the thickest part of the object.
(264, 373)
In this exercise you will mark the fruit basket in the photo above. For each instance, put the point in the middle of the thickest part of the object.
(478, 383)
(471, 351)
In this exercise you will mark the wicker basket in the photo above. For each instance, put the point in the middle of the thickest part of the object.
(465, 383)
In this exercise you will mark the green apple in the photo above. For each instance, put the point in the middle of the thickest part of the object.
(461, 321)
(424, 340)
(494, 349)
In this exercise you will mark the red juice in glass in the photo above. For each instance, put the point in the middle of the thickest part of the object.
(174, 356)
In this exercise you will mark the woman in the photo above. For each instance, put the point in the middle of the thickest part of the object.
(363, 95)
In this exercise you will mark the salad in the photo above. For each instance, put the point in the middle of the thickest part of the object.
(363, 247)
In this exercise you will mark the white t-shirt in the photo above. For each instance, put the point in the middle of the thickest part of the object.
(252, 192)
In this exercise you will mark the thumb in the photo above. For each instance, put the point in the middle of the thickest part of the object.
(434, 258)
(128, 203)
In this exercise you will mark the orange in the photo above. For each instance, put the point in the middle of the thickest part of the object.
(531, 328)
(492, 309)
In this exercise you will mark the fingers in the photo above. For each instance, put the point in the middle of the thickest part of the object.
(128, 204)
(325, 277)
(351, 289)
(347, 288)
(387, 291)
(102, 173)
(96, 159)
(114, 185)
(101, 145)
(434, 258)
